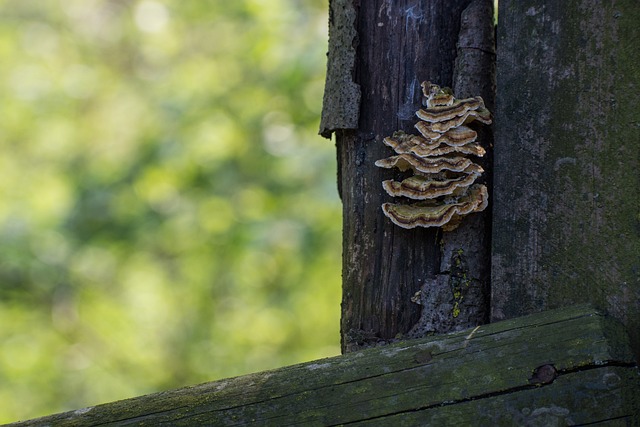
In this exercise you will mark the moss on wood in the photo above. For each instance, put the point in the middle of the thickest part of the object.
(559, 366)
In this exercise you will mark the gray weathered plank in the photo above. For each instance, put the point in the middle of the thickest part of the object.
(443, 379)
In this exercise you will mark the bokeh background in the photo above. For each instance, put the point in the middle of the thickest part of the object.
(168, 214)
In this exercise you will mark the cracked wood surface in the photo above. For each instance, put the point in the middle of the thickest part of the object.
(554, 368)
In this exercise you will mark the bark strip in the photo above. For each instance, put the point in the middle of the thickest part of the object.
(341, 103)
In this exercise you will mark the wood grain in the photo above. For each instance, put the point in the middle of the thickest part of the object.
(567, 153)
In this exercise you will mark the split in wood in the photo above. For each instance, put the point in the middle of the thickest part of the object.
(443, 177)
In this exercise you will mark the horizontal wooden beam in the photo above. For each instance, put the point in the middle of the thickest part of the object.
(571, 366)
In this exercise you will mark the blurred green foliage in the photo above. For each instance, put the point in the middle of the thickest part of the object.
(168, 214)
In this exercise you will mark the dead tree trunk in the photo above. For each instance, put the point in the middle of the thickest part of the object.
(567, 156)
(379, 53)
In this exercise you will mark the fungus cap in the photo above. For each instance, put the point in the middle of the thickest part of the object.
(436, 96)
(419, 187)
(424, 165)
(447, 112)
(431, 215)
(456, 136)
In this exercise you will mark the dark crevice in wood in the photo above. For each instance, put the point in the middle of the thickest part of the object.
(629, 419)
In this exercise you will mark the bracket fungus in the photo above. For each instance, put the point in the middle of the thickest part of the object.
(443, 180)
(425, 165)
(405, 143)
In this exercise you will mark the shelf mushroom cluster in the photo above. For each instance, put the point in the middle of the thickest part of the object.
(443, 180)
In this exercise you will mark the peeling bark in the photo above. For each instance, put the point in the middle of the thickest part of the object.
(341, 102)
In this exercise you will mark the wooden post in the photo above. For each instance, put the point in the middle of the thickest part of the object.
(566, 224)
(397, 46)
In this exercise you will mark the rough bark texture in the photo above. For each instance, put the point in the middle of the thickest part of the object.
(567, 155)
(399, 45)
(565, 367)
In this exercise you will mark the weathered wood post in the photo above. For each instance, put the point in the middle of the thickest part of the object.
(566, 212)
(379, 53)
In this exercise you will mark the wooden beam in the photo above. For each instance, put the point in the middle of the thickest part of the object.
(566, 366)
